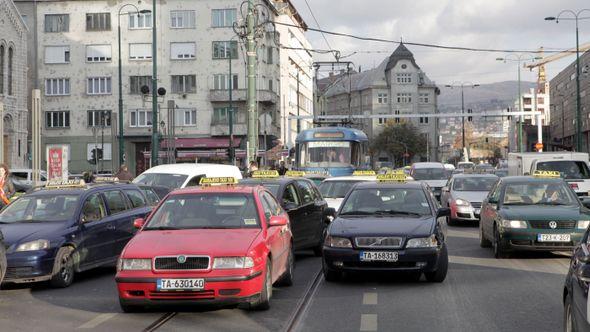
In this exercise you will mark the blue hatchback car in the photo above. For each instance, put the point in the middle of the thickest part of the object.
(54, 232)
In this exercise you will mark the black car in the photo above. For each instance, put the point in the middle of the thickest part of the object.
(387, 226)
(575, 290)
(2, 258)
(308, 211)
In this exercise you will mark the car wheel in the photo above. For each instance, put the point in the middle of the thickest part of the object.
(568, 317)
(441, 270)
(63, 268)
(483, 242)
(450, 221)
(288, 276)
(499, 252)
(263, 301)
(330, 275)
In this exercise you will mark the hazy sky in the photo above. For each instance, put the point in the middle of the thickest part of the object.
(497, 24)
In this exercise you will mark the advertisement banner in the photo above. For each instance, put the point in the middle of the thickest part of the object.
(57, 162)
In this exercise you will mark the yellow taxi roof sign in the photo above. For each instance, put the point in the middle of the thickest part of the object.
(104, 179)
(265, 174)
(364, 173)
(224, 180)
(546, 174)
(397, 171)
(58, 184)
(295, 174)
(316, 172)
(392, 177)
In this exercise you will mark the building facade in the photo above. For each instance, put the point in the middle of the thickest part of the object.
(13, 85)
(397, 86)
(76, 57)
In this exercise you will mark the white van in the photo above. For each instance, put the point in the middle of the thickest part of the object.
(176, 176)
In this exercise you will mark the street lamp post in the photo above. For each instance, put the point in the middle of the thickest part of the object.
(155, 147)
(576, 16)
(462, 85)
(121, 128)
(519, 58)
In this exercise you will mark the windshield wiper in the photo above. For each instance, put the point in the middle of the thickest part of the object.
(552, 203)
(398, 212)
(518, 203)
(352, 213)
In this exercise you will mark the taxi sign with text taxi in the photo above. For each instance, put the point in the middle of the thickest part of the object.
(393, 176)
(218, 181)
(364, 173)
(316, 172)
(262, 174)
(106, 179)
(295, 174)
(547, 174)
(60, 184)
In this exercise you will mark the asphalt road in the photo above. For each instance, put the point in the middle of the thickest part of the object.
(480, 293)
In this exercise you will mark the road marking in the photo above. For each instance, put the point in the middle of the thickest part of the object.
(368, 322)
(369, 298)
(454, 233)
(97, 321)
(508, 264)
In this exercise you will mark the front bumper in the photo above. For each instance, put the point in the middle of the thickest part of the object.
(466, 213)
(140, 287)
(527, 239)
(415, 259)
(29, 266)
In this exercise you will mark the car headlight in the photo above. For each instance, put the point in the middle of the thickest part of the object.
(33, 245)
(462, 202)
(134, 264)
(233, 263)
(583, 224)
(514, 224)
(337, 242)
(422, 242)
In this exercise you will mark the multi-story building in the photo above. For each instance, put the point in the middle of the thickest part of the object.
(396, 86)
(534, 101)
(13, 85)
(75, 51)
(563, 105)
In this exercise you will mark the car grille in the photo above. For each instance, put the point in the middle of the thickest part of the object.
(174, 295)
(542, 224)
(476, 205)
(378, 242)
(18, 272)
(171, 263)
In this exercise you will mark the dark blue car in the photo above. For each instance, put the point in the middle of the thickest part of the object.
(53, 233)
(575, 290)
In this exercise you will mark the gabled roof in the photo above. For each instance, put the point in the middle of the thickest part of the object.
(359, 81)
(400, 53)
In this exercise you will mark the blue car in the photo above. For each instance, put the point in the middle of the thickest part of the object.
(575, 290)
(55, 232)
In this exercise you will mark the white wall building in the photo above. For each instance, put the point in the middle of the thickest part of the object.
(534, 101)
(76, 62)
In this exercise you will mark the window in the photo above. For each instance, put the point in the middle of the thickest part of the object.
(184, 83)
(57, 86)
(180, 51)
(136, 198)
(98, 22)
(93, 209)
(424, 120)
(2, 69)
(270, 87)
(221, 115)
(222, 82)
(404, 98)
(306, 192)
(140, 51)
(57, 54)
(275, 209)
(100, 118)
(57, 119)
(223, 49)
(140, 21)
(182, 19)
(10, 69)
(269, 55)
(98, 53)
(423, 98)
(397, 120)
(223, 17)
(403, 77)
(382, 98)
(382, 121)
(290, 195)
(140, 118)
(136, 82)
(57, 22)
(99, 86)
(115, 201)
(189, 117)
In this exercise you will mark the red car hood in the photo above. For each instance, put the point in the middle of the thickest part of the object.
(213, 242)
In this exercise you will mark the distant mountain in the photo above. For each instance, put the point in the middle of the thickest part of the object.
(484, 97)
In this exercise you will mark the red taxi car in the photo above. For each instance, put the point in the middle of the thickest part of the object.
(221, 244)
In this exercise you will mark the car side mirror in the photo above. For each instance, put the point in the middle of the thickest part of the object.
(277, 221)
(443, 212)
(583, 271)
(138, 223)
(289, 206)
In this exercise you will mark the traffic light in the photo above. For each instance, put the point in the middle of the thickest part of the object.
(92, 159)
(98, 154)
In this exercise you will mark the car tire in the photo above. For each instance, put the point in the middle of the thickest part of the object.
(330, 275)
(63, 268)
(483, 242)
(262, 302)
(499, 252)
(288, 277)
(441, 270)
(128, 308)
(568, 316)
(450, 221)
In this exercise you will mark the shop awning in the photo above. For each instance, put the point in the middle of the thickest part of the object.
(202, 143)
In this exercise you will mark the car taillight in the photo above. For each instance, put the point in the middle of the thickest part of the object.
(574, 186)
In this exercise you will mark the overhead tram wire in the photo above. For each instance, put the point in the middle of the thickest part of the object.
(336, 56)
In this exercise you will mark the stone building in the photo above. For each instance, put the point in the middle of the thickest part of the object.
(13, 84)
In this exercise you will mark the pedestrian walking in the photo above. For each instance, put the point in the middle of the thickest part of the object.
(282, 168)
(6, 186)
(252, 167)
(123, 174)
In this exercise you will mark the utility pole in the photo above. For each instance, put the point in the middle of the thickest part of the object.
(230, 114)
(462, 118)
(298, 120)
(155, 145)
(251, 97)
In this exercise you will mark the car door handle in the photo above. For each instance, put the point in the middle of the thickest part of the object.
(111, 226)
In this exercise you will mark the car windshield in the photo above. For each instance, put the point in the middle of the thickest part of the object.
(386, 201)
(429, 174)
(206, 210)
(336, 189)
(40, 208)
(474, 184)
(172, 181)
(464, 165)
(539, 193)
(569, 169)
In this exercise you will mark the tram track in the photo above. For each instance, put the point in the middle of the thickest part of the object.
(304, 303)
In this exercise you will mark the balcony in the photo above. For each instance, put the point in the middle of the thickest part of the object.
(263, 96)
